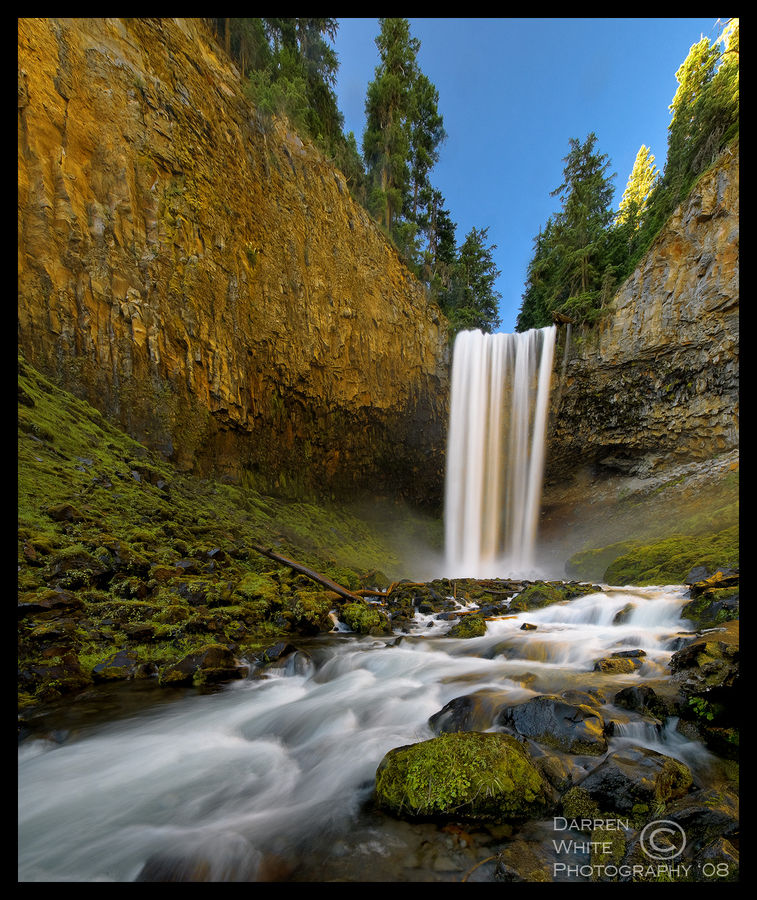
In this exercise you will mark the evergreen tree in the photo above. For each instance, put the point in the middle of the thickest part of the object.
(471, 300)
(386, 141)
(635, 199)
(575, 260)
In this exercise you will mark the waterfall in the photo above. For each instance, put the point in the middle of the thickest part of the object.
(495, 451)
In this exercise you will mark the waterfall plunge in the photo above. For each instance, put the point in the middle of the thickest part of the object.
(495, 451)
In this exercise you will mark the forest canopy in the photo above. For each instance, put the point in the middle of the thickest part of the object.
(582, 253)
(585, 251)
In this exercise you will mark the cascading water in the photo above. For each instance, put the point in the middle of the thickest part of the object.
(268, 778)
(495, 451)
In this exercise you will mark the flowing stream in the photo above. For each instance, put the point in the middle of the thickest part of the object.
(271, 779)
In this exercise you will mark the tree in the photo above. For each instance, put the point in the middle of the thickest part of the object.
(575, 257)
(641, 182)
(471, 300)
(386, 141)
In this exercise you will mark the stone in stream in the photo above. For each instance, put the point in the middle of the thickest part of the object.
(484, 777)
(636, 776)
(558, 723)
(473, 712)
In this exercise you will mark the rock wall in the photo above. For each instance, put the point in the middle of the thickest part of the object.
(203, 276)
(658, 382)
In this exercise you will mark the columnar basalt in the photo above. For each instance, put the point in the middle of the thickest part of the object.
(203, 276)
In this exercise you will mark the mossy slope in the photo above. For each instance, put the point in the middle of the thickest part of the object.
(118, 550)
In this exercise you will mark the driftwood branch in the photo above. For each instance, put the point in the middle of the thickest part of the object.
(309, 573)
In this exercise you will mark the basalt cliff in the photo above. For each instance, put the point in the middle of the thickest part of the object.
(203, 277)
(657, 382)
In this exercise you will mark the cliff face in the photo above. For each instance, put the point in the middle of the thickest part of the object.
(657, 383)
(204, 277)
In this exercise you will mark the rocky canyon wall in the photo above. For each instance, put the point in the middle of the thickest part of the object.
(657, 383)
(203, 276)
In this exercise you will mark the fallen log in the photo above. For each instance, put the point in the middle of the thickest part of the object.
(309, 573)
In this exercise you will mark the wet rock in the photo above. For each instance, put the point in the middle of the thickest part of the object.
(555, 722)
(544, 593)
(59, 601)
(473, 712)
(469, 775)
(469, 626)
(211, 665)
(118, 667)
(642, 699)
(523, 861)
(526, 626)
(636, 776)
(614, 665)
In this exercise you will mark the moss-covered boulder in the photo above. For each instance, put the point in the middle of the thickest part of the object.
(486, 777)
(637, 776)
(714, 599)
(468, 627)
(539, 594)
(365, 618)
(212, 664)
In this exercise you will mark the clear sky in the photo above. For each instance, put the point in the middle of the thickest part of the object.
(512, 93)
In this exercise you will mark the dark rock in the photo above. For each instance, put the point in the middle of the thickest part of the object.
(211, 665)
(118, 667)
(636, 776)
(642, 699)
(45, 601)
(473, 712)
(65, 512)
(557, 723)
(526, 626)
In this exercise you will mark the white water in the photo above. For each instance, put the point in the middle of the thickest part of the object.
(495, 451)
(279, 768)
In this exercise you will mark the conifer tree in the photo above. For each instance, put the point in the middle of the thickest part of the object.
(472, 300)
(386, 141)
(641, 181)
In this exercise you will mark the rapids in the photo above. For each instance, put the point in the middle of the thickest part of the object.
(271, 778)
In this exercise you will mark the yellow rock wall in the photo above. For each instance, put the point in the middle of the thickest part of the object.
(204, 277)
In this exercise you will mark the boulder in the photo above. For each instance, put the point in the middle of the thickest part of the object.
(636, 776)
(558, 723)
(210, 665)
(485, 777)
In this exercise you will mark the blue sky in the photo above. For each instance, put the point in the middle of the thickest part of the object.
(512, 93)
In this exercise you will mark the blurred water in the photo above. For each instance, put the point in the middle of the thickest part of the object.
(226, 784)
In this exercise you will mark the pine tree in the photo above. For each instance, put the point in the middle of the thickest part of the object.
(472, 300)
(575, 257)
(641, 181)
(386, 141)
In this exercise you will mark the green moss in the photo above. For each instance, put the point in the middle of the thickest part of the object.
(117, 547)
(669, 561)
(468, 627)
(363, 618)
(481, 776)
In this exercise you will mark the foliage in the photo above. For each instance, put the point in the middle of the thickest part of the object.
(573, 268)
(583, 251)
(470, 300)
